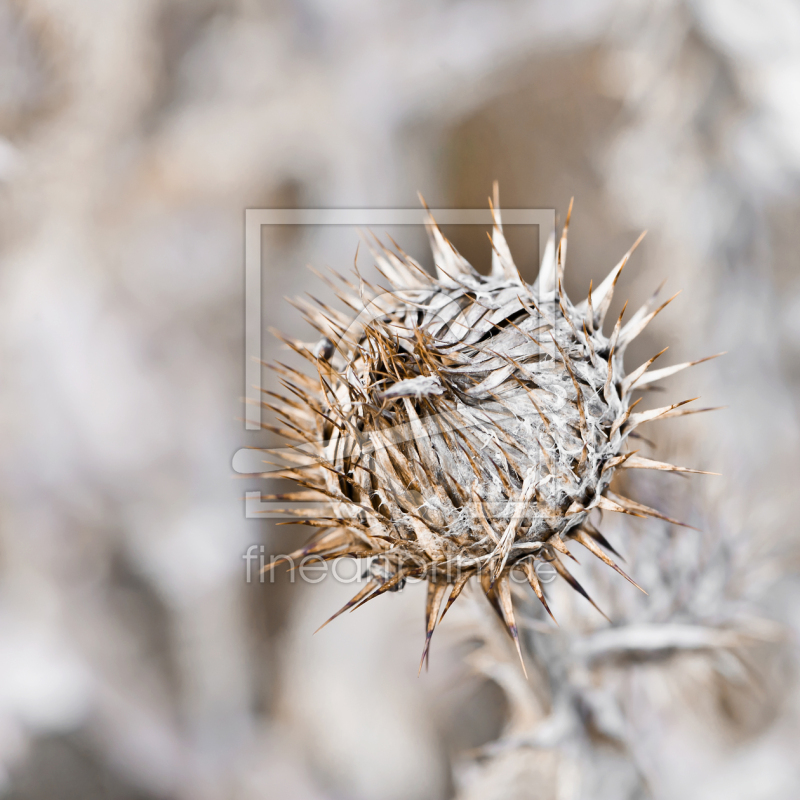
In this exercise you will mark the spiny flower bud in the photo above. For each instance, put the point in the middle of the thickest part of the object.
(464, 425)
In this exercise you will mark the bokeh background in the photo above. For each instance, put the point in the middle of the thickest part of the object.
(135, 660)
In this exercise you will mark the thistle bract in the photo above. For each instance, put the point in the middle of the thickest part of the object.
(464, 425)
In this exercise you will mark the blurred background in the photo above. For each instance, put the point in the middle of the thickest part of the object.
(136, 662)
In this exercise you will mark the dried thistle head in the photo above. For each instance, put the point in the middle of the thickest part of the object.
(464, 425)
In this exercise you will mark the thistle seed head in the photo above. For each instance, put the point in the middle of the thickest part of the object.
(464, 425)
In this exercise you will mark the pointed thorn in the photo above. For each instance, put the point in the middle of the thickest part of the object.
(601, 539)
(570, 579)
(533, 579)
(507, 609)
(456, 591)
(433, 603)
(587, 542)
(371, 585)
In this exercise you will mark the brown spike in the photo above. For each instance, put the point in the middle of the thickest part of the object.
(632, 506)
(293, 378)
(295, 497)
(595, 534)
(309, 513)
(638, 462)
(481, 514)
(607, 387)
(589, 544)
(561, 261)
(592, 354)
(613, 342)
(617, 327)
(660, 374)
(618, 461)
(412, 274)
(287, 433)
(269, 567)
(605, 291)
(458, 587)
(370, 586)
(322, 541)
(684, 412)
(343, 551)
(536, 309)
(384, 587)
(407, 261)
(618, 423)
(433, 603)
(288, 401)
(579, 395)
(507, 609)
(349, 300)
(561, 295)
(442, 248)
(570, 579)
(556, 542)
(607, 504)
(488, 586)
(548, 460)
(544, 419)
(529, 569)
(589, 309)
(635, 327)
(303, 349)
(631, 379)
(502, 261)
(655, 413)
